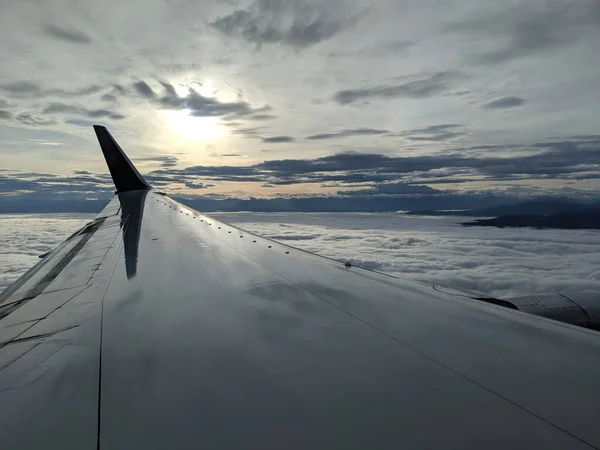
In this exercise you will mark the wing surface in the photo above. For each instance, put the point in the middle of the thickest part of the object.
(156, 326)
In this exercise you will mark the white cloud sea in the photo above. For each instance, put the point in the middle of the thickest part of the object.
(499, 262)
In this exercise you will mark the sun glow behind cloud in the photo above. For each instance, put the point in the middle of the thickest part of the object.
(194, 129)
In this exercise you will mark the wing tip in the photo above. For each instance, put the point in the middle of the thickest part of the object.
(123, 172)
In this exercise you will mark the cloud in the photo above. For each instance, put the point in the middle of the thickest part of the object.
(193, 185)
(23, 238)
(504, 103)
(500, 262)
(347, 133)
(28, 89)
(296, 24)
(197, 104)
(6, 115)
(54, 187)
(247, 131)
(144, 90)
(560, 159)
(109, 98)
(67, 34)
(381, 49)
(261, 117)
(80, 122)
(411, 87)
(63, 108)
(164, 161)
(433, 133)
(529, 28)
(29, 118)
(277, 139)
(393, 189)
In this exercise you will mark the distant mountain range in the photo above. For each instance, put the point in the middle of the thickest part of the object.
(538, 213)
(541, 207)
(588, 219)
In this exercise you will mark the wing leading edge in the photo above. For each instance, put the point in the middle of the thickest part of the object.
(169, 328)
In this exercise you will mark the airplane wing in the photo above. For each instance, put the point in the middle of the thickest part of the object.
(155, 326)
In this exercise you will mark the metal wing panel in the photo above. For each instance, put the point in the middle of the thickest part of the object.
(50, 341)
(220, 338)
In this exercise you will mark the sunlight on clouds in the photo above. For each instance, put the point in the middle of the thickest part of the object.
(195, 129)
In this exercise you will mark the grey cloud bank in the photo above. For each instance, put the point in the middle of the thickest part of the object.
(530, 28)
(69, 35)
(504, 102)
(279, 99)
(297, 24)
(423, 87)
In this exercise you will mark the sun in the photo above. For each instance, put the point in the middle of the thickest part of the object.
(191, 128)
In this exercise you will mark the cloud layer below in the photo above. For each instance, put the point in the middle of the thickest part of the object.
(499, 262)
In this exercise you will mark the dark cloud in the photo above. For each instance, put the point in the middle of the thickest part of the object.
(144, 90)
(67, 34)
(346, 133)
(197, 104)
(504, 102)
(80, 185)
(6, 115)
(393, 189)
(22, 88)
(294, 24)
(34, 90)
(192, 185)
(63, 108)
(261, 117)
(564, 159)
(529, 28)
(277, 139)
(397, 182)
(248, 132)
(80, 122)
(411, 87)
(109, 98)
(118, 89)
(433, 133)
(29, 118)
(382, 49)
(164, 161)
(48, 183)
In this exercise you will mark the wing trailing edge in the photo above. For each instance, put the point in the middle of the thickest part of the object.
(123, 172)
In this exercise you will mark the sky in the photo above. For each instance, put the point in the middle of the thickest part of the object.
(299, 98)
(500, 262)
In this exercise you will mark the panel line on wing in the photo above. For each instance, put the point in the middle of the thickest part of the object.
(87, 234)
(99, 396)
